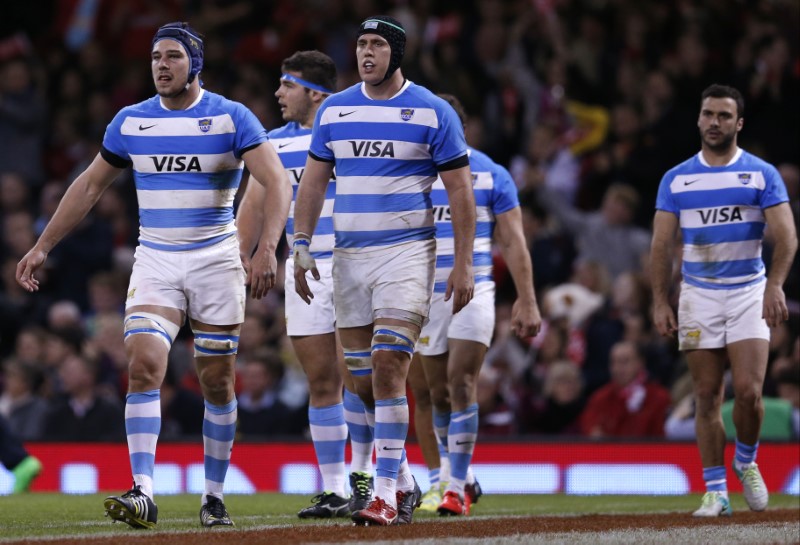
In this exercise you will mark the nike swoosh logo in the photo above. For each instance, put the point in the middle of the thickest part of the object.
(464, 442)
(141, 128)
(342, 114)
(690, 183)
(281, 146)
(392, 448)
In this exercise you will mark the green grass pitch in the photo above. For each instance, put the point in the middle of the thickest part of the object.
(40, 515)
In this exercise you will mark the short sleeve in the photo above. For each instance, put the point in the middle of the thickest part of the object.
(448, 141)
(249, 130)
(320, 138)
(774, 192)
(665, 200)
(112, 139)
(505, 196)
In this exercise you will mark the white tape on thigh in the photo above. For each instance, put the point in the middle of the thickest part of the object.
(215, 343)
(358, 360)
(398, 314)
(147, 323)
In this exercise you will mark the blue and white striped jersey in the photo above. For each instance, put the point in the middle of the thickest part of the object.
(721, 215)
(291, 142)
(187, 165)
(495, 193)
(386, 154)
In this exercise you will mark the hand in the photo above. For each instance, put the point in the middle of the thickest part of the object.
(664, 320)
(526, 321)
(261, 273)
(460, 285)
(27, 266)
(774, 310)
(303, 261)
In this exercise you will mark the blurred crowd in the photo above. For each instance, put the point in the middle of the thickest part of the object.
(587, 102)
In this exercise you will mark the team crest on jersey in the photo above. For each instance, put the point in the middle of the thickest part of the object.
(406, 114)
(745, 177)
(204, 124)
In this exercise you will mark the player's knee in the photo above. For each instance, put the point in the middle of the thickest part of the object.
(215, 343)
(440, 397)
(394, 339)
(325, 385)
(147, 323)
(708, 400)
(747, 396)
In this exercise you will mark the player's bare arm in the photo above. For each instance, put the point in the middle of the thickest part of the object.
(266, 169)
(307, 208)
(781, 223)
(79, 199)
(665, 225)
(525, 317)
(461, 283)
(250, 221)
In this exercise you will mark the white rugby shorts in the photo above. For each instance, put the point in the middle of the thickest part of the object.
(207, 284)
(317, 318)
(716, 318)
(474, 322)
(398, 277)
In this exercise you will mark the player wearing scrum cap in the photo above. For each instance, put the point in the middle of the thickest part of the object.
(187, 147)
(388, 139)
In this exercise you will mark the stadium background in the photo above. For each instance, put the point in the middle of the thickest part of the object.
(570, 95)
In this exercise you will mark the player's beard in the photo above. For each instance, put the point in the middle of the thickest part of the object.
(722, 145)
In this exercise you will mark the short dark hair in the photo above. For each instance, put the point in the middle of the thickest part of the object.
(315, 66)
(725, 91)
(457, 106)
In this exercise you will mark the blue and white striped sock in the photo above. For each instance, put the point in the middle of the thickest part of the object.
(219, 429)
(369, 414)
(715, 480)
(444, 464)
(433, 477)
(329, 435)
(745, 455)
(461, 443)
(142, 425)
(361, 442)
(441, 425)
(391, 429)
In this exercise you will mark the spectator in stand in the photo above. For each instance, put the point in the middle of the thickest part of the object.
(15, 193)
(22, 121)
(680, 422)
(20, 405)
(60, 344)
(261, 412)
(496, 417)
(79, 414)
(630, 405)
(558, 409)
(181, 408)
(17, 307)
(608, 235)
(28, 348)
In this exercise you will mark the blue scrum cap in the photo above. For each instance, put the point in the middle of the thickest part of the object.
(391, 30)
(191, 41)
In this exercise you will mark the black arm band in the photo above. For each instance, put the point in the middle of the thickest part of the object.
(458, 162)
(113, 159)
(320, 158)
